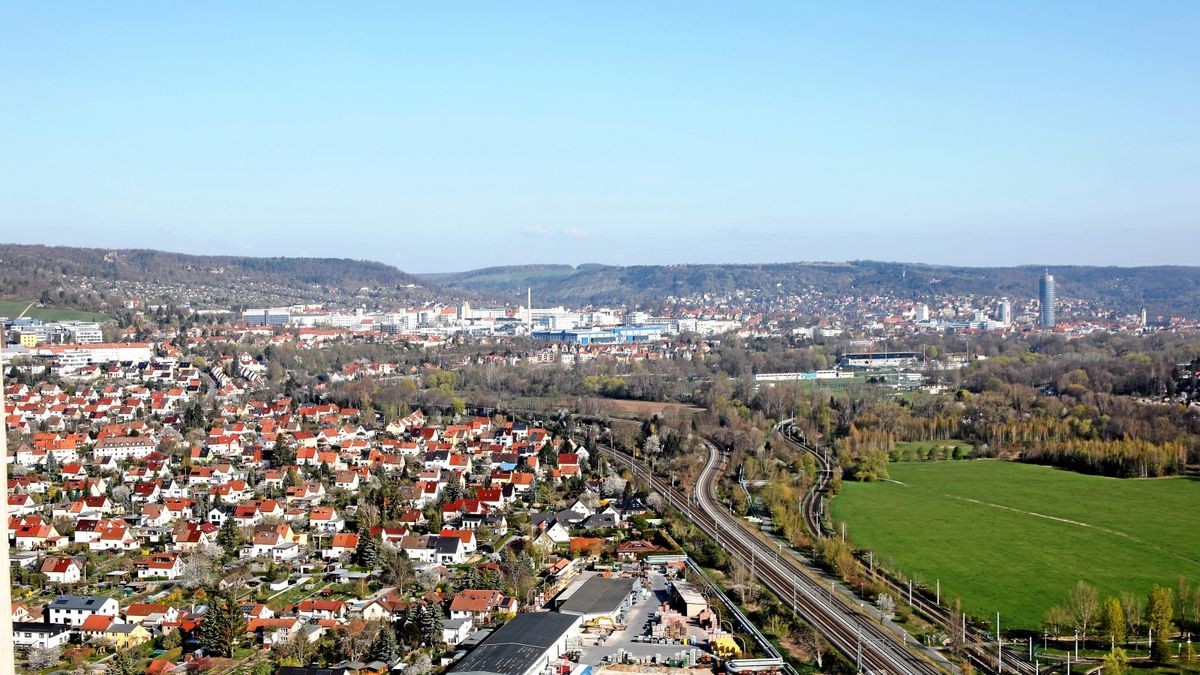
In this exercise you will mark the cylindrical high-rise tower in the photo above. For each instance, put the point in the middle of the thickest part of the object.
(1046, 296)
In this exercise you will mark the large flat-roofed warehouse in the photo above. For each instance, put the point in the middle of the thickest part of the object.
(597, 599)
(523, 646)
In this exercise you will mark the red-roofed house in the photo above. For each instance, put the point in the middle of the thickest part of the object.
(342, 544)
(61, 570)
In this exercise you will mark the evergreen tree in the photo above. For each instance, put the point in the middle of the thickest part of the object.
(385, 647)
(223, 625)
(469, 579)
(420, 617)
(452, 492)
(366, 553)
(431, 625)
(406, 623)
(229, 537)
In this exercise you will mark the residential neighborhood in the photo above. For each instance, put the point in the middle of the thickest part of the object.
(142, 493)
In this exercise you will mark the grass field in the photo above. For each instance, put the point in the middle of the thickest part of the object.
(1015, 537)
(11, 308)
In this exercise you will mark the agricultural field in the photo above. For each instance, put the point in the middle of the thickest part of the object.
(1016, 537)
(11, 308)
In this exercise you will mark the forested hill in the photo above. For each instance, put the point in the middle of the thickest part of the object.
(88, 276)
(1163, 290)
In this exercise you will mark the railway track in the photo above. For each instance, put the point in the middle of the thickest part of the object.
(984, 655)
(856, 635)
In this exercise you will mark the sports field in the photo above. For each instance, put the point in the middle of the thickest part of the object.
(1015, 537)
(11, 308)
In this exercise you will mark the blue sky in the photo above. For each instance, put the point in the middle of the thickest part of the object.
(442, 138)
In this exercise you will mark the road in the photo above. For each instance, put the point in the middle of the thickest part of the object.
(856, 635)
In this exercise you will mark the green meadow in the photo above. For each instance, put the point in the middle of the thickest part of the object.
(11, 308)
(1015, 538)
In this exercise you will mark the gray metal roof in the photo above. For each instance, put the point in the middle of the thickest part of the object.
(598, 595)
(517, 645)
(91, 602)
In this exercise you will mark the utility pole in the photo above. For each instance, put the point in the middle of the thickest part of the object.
(999, 647)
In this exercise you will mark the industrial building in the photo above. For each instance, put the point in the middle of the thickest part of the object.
(597, 599)
(603, 336)
(881, 360)
(71, 356)
(523, 646)
(30, 332)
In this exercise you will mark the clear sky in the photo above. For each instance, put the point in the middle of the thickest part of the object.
(447, 136)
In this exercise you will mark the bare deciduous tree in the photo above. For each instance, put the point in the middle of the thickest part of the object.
(1134, 607)
(421, 666)
(1083, 604)
(198, 569)
(744, 580)
(811, 642)
(887, 606)
(655, 501)
(41, 658)
(613, 486)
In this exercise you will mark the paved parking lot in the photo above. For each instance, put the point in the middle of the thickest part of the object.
(641, 612)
